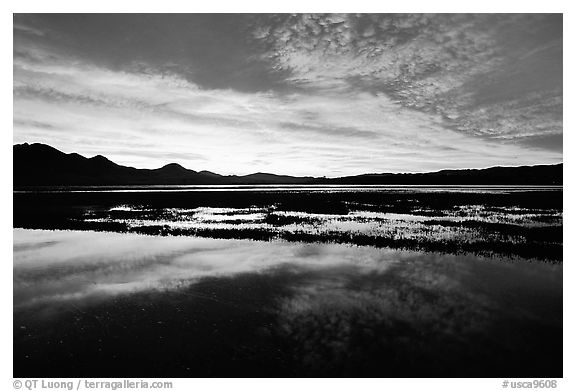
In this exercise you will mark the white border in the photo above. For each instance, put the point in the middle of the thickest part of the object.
(244, 6)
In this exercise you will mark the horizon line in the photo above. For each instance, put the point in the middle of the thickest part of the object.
(290, 175)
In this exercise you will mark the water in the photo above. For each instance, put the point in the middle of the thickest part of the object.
(104, 304)
(289, 188)
(288, 281)
(500, 221)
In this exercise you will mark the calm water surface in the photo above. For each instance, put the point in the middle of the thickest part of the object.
(291, 188)
(117, 304)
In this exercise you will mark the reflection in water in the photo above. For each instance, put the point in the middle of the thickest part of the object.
(59, 265)
(489, 221)
(293, 188)
(510, 230)
(96, 303)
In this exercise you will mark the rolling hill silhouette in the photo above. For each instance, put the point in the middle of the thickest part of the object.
(42, 165)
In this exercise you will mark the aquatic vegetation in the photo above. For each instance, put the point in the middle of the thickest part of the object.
(508, 222)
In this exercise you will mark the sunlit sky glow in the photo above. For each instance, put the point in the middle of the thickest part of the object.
(293, 94)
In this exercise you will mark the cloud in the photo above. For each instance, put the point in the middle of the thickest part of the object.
(27, 29)
(491, 76)
(329, 50)
(374, 94)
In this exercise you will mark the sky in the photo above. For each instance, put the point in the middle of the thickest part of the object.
(297, 94)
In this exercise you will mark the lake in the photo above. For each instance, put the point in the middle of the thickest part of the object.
(288, 281)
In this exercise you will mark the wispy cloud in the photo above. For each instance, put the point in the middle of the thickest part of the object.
(371, 94)
(27, 29)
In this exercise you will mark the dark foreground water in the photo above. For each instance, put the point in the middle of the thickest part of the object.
(430, 282)
(109, 304)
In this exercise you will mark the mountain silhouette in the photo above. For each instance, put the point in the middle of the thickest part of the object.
(42, 165)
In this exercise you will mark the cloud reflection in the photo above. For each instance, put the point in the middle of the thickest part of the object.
(63, 265)
(311, 309)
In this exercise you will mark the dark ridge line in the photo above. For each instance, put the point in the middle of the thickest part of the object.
(42, 165)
